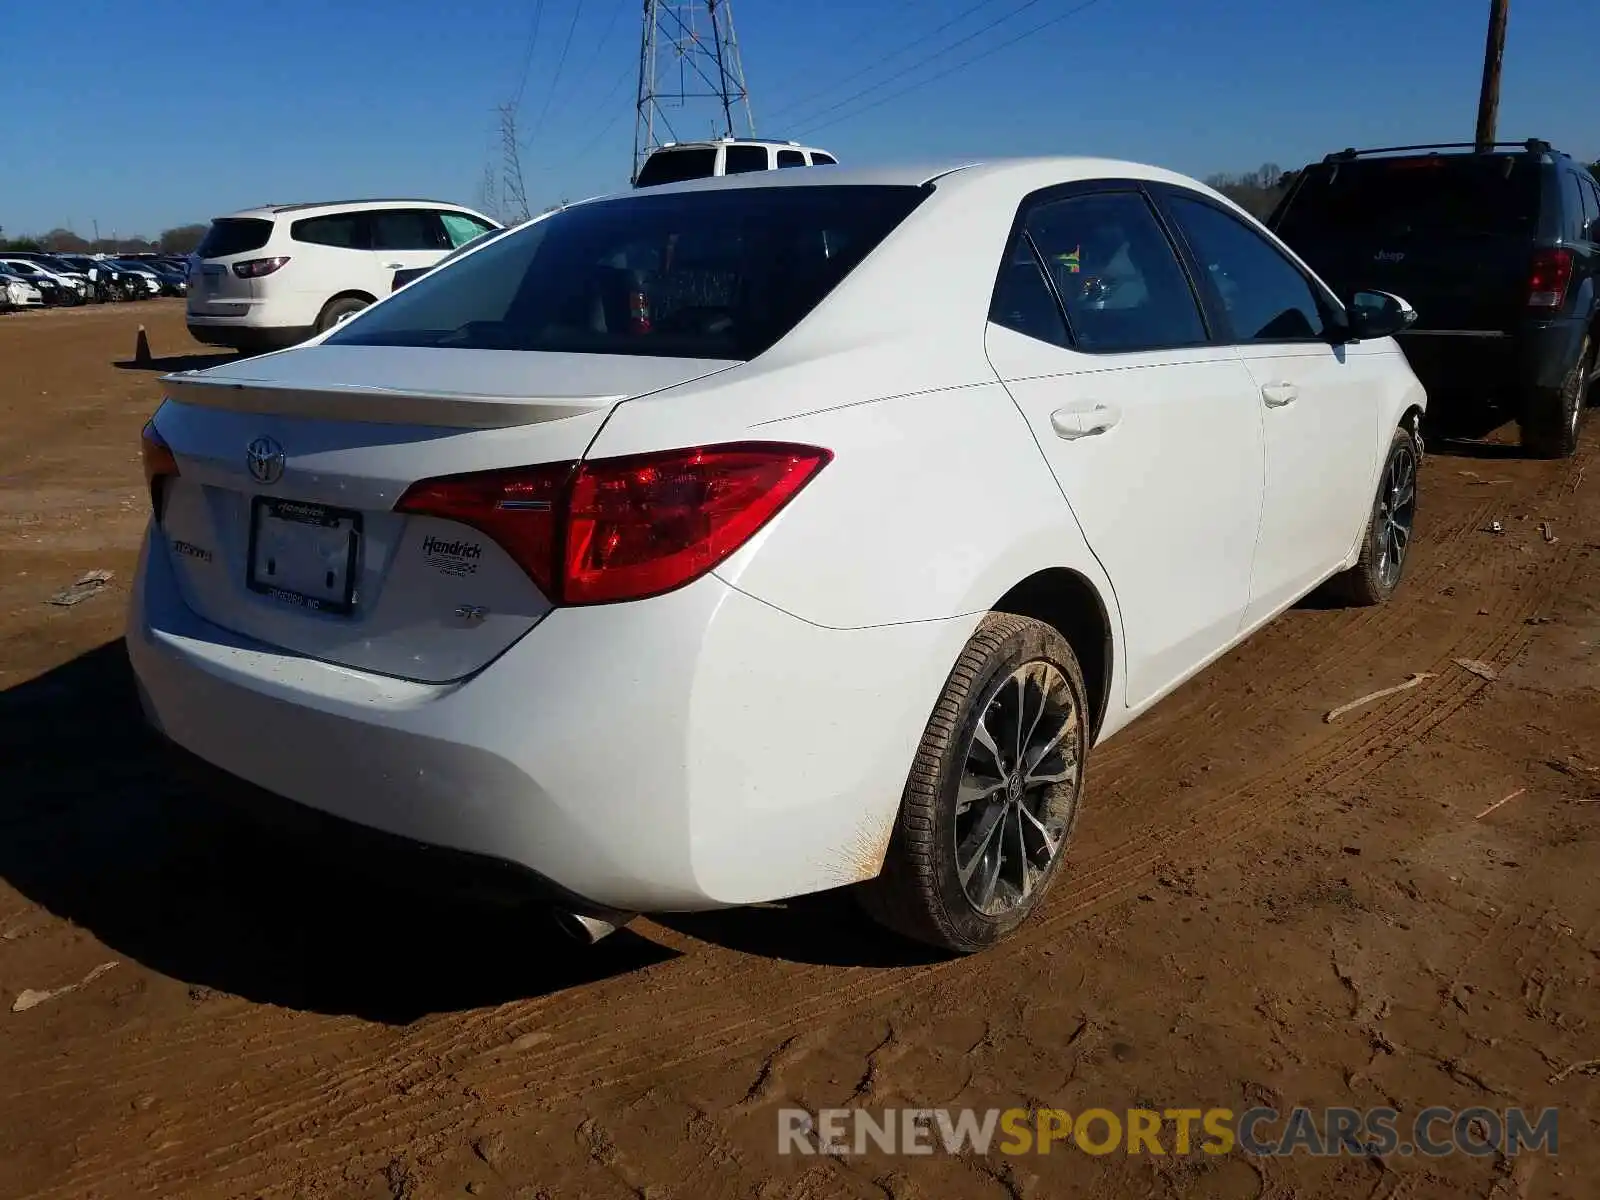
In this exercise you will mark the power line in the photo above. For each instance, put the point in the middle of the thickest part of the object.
(527, 57)
(555, 81)
(917, 66)
(596, 138)
(594, 55)
(893, 54)
(951, 70)
(806, 76)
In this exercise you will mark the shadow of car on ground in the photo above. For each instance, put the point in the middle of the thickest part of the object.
(96, 828)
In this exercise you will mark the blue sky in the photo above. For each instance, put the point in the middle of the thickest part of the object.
(196, 108)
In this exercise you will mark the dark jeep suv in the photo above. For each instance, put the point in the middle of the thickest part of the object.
(1498, 251)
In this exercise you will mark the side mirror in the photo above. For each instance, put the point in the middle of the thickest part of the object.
(1378, 315)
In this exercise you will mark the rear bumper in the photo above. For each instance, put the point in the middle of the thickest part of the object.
(696, 750)
(350, 846)
(252, 339)
(1533, 358)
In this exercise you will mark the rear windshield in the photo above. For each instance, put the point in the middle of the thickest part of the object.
(234, 235)
(1450, 196)
(675, 166)
(716, 274)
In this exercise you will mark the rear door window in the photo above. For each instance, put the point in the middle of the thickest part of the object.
(234, 235)
(791, 158)
(715, 274)
(1441, 196)
(407, 229)
(1115, 271)
(675, 166)
(739, 159)
(348, 231)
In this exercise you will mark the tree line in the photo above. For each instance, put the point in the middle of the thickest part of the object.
(1259, 191)
(180, 240)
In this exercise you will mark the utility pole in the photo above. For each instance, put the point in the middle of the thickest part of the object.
(680, 66)
(1494, 50)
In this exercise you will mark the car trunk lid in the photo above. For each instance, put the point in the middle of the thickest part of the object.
(280, 525)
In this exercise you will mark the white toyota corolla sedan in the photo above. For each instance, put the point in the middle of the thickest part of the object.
(750, 537)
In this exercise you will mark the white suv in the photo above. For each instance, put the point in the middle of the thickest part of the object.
(677, 162)
(269, 277)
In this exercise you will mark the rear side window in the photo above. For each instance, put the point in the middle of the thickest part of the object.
(819, 159)
(348, 231)
(717, 275)
(1263, 295)
(744, 158)
(461, 229)
(1573, 221)
(674, 166)
(791, 158)
(1116, 273)
(234, 235)
(1591, 209)
(1023, 301)
(1440, 196)
(407, 229)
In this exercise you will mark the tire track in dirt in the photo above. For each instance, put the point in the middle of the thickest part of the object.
(421, 1089)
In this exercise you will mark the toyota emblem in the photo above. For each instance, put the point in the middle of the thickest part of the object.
(264, 457)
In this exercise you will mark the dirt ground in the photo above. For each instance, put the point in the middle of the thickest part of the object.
(1262, 907)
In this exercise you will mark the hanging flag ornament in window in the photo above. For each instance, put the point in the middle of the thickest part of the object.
(1071, 260)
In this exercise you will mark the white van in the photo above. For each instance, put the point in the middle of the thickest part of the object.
(678, 161)
(269, 277)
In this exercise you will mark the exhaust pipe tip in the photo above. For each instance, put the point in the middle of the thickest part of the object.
(584, 930)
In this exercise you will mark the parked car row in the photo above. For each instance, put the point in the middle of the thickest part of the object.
(35, 279)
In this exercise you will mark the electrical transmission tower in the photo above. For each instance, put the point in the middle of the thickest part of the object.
(513, 195)
(680, 66)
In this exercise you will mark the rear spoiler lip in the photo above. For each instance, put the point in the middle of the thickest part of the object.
(380, 405)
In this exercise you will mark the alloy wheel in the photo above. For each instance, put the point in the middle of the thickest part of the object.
(1397, 510)
(1018, 787)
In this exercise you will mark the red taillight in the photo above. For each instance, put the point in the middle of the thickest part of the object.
(159, 464)
(625, 528)
(1547, 282)
(521, 509)
(254, 268)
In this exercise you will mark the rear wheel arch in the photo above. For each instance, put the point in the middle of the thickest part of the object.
(1068, 602)
(340, 300)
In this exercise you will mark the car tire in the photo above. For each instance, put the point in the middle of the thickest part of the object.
(1015, 675)
(1378, 571)
(338, 309)
(1550, 424)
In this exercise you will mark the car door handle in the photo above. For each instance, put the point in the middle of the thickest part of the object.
(1083, 420)
(394, 266)
(1277, 395)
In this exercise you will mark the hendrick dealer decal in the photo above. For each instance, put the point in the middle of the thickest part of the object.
(459, 557)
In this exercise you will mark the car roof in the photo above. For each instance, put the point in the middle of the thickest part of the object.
(713, 143)
(268, 211)
(1028, 174)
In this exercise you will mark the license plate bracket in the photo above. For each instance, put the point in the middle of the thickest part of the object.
(304, 554)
